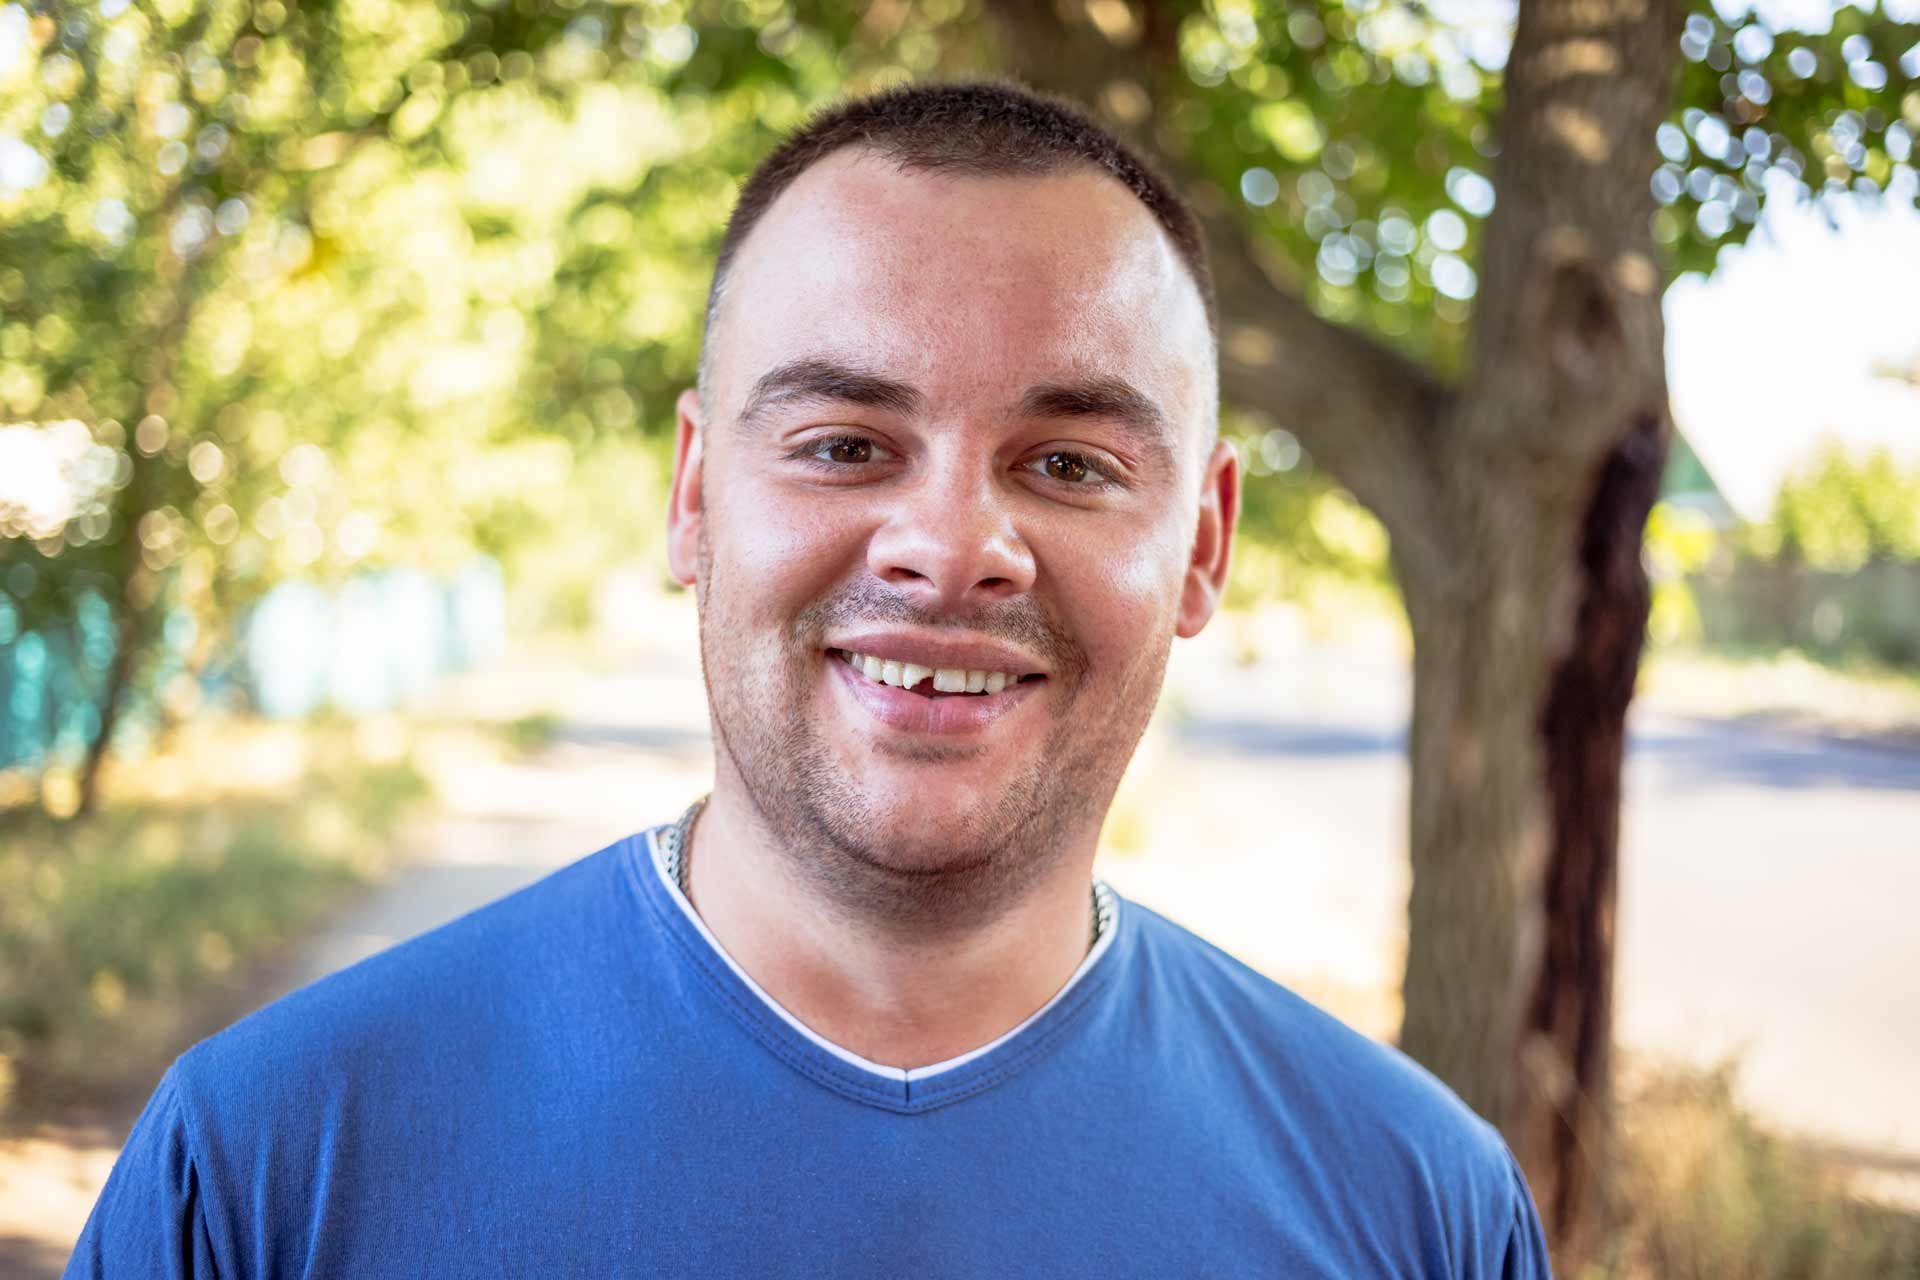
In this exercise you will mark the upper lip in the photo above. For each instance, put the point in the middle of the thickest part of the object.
(937, 652)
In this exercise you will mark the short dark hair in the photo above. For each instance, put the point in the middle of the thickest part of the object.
(976, 128)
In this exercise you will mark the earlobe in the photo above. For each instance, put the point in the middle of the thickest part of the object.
(1206, 579)
(685, 500)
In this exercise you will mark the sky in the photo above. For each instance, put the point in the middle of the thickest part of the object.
(1785, 345)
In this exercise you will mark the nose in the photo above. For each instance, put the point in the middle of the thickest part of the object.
(950, 539)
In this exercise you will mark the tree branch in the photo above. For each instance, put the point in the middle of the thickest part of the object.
(1367, 413)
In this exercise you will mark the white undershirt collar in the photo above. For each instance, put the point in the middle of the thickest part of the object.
(1109, 916)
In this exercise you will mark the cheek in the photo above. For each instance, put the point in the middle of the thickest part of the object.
(772, 547)
(1121, 592)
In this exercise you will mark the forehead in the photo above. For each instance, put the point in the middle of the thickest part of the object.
(964, 284)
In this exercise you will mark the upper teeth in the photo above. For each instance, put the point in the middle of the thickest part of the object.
(906, 675)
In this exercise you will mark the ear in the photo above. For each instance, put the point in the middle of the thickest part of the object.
(686, 504)
(1212, 541)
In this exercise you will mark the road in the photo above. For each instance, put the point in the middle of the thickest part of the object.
(1769, 881)
(1769, 876)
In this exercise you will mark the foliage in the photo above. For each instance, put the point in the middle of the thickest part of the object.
(1679, 542)
(102, 924)
(1703, 1192)
(1826, 571)
(1304, 537)
(1357, 139)
(531, 733)
(1769, 112)
(1843, 512)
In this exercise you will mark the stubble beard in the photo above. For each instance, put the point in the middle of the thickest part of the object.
(834, 836)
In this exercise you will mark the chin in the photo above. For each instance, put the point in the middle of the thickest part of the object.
(925, 833)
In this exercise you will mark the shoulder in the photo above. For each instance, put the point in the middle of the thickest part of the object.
(252, 1127)
(1370, 1113)
(446, 997)
(149, 1218)
(1226, 1000)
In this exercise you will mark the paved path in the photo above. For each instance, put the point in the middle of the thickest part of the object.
(1769, 877)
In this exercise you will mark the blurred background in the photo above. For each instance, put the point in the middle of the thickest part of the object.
(338, 348)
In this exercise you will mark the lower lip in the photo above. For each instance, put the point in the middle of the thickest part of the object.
(915, 713)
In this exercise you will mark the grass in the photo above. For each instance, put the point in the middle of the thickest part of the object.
(1703, 1192)
(529, 734)
(109, 925)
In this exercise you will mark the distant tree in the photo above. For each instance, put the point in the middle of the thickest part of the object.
(176, 152)
(1841, 512)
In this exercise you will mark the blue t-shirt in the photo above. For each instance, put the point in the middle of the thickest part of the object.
(574, 1081)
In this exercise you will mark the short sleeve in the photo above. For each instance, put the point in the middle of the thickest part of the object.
(150, 1218)
(1526, 1251)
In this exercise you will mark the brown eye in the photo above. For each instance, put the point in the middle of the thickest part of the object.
(843, 451)
(1068, 468)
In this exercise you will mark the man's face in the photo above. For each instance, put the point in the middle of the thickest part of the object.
(963, 424)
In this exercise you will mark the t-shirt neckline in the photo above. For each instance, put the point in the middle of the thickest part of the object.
(840, 1069)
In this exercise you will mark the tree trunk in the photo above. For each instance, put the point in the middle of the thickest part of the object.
(112, 699)
(134, 616)
(1567, 402)
(1483, 643)
(1567, 1038)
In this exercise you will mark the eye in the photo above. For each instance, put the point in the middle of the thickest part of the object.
(842, 451)
(1076, 470)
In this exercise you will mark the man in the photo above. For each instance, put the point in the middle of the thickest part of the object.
(949, 488)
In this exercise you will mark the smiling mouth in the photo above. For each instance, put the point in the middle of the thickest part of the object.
(932, 682)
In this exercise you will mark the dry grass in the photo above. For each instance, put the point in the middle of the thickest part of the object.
(1702, 1193)
(201, 861)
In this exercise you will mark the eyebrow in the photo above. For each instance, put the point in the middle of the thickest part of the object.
(1112, 398)
(822, 378)
(815, 378)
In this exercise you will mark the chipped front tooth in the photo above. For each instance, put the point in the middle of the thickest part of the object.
(906, 675)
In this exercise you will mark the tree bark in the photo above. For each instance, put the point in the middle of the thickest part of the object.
(1477, 825)
(1567, 1038)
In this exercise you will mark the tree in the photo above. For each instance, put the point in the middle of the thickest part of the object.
(1512, 449)
(180, 146)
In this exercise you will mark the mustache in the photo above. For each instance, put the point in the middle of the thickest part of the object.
(1020, 622)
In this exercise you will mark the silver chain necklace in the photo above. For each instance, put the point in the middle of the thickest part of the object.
(676, 847)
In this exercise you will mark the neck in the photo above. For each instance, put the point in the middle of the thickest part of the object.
(905, 997)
